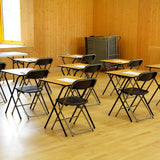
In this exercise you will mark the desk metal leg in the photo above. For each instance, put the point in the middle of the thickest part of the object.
(119, 97)
(73, 60)
(106, 87)
(63, 60)
(62, 71)
(12, 97)
(154, 91)
(68, 70)
(54, 109)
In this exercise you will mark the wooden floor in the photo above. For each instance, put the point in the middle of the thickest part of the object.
(115, 138)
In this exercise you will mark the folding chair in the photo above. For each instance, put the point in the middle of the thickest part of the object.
(88, 58)
(43, 63)
(133, 64)
(91, 71)
(139, 90)
(36, 89)
(2, 93)
(77, 95)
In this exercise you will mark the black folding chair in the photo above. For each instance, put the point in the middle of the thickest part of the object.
(133, 64)
(77, 95)
(88, 58)
(41, 63)
(91, 71)
(44, 63)
(139, 90)
(35, 89)
(2, 93)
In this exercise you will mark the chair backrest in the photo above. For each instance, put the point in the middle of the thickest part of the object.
(84, 83)
(135, 63)
(44, 63)
(37, 74)
(88, 58)
(2, 65)
(146, 76)
(92, 68)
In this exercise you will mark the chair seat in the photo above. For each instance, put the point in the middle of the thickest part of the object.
(135, 91)
(73, 100)
(29, 89)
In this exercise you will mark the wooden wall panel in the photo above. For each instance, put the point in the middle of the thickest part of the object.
(60, 27)
(149, 24)
(27, 22)
(138, 23)
(117, 17)
(55, 27)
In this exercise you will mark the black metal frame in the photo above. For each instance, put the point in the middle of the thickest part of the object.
(92, 71)
(36, 89)
(83, 84)
(133, 64)
(136, 90)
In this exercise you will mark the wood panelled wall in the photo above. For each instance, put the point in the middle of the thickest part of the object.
(138, 23)
(60, 27)
(55, 27)
(27, 22)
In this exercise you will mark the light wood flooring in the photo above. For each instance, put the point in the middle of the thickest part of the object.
(115, 138)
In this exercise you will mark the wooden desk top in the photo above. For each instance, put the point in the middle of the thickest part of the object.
(78, 66)
(62, 80)
(77, 56)
(28, 60)
(18, 71)
(12, 54)
(131, 73)
(157, 66)
(116, 61)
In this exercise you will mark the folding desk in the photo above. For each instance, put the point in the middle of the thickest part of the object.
(20, 72)
(128, 74)
(11, 56)
(75, 67)
(73, 57)
(64, 82)
(118, 63)
(25, 60)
